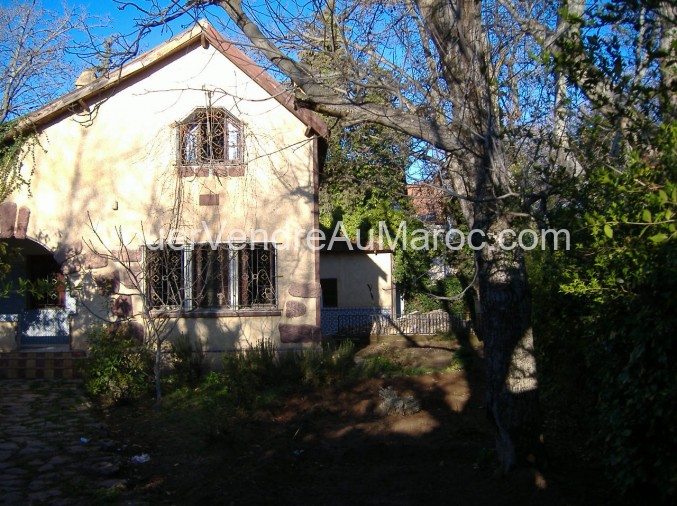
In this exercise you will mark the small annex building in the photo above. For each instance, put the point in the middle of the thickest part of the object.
(357, 287)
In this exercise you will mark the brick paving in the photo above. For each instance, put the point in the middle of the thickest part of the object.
(53, 450)
(40, 364)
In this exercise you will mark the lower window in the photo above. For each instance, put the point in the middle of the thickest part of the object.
(206, 276)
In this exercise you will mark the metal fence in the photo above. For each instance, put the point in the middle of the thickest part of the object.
(364, 325)
(348, 317)
(44, 326)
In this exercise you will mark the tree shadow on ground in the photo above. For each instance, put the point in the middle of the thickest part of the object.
(331, 446)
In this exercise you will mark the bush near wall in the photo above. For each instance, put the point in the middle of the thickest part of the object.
(118, 368)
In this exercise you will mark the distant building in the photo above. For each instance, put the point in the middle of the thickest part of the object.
(430, 206)
(429, 203)
(355, 285)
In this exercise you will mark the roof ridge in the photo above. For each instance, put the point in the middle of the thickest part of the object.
(209, 35)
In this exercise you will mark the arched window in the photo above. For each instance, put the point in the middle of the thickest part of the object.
(210, 136)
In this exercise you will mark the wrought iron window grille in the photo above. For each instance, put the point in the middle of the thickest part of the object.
(210, 137)
(228, 276)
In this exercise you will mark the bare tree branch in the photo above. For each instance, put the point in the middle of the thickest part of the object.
(36, 45)
(318, 97)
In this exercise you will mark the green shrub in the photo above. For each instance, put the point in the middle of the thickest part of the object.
(118, 367)
(604, 318)
(343, 359)
(262, 371)
(288, 368)
(311, 363)
(329, 365)
(423, 302)
(463, 359)
(188, 360)
(247, 371)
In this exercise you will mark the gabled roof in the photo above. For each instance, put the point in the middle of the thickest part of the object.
(201, 33)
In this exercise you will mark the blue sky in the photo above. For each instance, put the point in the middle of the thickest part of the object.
(121, 21)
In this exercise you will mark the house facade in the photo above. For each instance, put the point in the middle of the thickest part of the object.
(184, 184)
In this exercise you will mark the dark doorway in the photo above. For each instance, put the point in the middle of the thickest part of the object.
(329, 292)
(35, 294)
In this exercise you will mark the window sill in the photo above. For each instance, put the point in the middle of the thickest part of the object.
(217, 169)
(217, 313)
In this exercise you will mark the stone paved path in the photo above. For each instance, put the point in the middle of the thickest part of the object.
(53, 451)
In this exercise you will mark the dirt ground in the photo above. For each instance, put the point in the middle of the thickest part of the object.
(333, 447)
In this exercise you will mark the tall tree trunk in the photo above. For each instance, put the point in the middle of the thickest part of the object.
(668, 40)
(480, 171)
(512, 387)
(512, 398)
(477, 168)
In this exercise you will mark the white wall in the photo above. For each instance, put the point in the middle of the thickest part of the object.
(363, 279)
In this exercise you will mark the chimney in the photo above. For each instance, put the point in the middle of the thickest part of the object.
(87, 76)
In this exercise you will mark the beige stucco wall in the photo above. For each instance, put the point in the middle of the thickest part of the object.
(117, 166)
(363, 279)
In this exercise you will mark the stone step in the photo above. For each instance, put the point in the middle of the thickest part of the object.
(41, 364)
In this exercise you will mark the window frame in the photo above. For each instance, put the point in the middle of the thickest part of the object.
(204, 166)
(151, 250)
(189, 307)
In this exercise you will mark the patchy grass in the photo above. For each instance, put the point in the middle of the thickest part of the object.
(294, 431)
(396, 356)
(260, 377)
